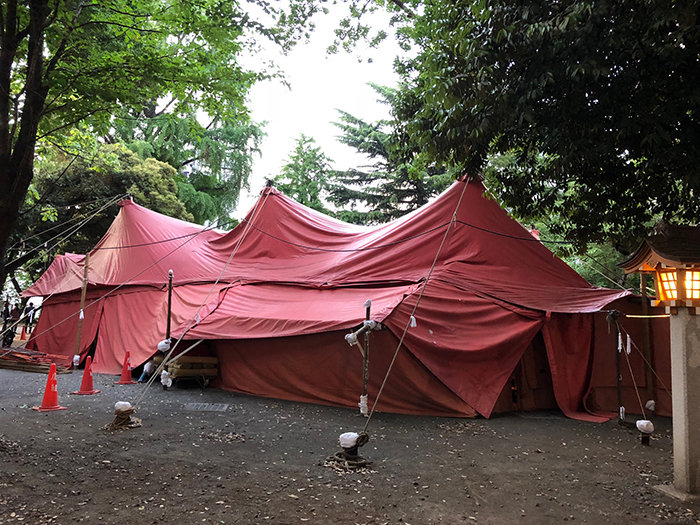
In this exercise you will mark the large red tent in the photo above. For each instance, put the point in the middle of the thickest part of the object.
(275, 296)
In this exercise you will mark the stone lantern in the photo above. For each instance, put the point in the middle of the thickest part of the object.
(672, 255)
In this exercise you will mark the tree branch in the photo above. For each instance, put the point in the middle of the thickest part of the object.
(73, 122)
(159, 113)
(405, 9)
(62, 46)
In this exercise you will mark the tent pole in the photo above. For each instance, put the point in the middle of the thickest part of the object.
(82, 304)
(365, 364)
(170, 303)
(618, 351)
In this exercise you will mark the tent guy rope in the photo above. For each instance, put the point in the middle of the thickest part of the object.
(121, 285)
(641, 354)
(194, 320)
(75, 229)
(634, 381)
(411, 320)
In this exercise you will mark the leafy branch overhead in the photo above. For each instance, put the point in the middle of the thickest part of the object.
(595, 102)
(64, 63)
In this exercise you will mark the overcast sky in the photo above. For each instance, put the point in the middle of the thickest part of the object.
(320, 84)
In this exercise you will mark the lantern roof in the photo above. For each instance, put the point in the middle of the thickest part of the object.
(671, 245)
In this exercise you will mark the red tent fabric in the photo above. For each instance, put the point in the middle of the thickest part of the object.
(289, 273)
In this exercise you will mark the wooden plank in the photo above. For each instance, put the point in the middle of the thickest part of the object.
(30, 367)
(189, 366)
(197, 359)
(204, 372)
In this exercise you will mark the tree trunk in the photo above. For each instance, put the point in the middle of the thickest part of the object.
(17, 153)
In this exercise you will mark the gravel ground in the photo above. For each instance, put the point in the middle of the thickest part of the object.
(262, 461)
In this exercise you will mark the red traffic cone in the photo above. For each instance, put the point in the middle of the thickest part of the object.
(126, 372)
(23, 335)
(50, 401)
(86, 387)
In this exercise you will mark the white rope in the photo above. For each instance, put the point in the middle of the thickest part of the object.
(634, 382)
(158, 371)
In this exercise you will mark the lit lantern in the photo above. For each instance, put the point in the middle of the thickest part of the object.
(673, 256)
(669, 288)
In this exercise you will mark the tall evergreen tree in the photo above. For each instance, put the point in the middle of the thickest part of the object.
(213, 162)
(385, 189)
(305, 176)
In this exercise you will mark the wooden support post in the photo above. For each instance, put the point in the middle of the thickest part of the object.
(618, 371)
(170, 303)
(82, 303)
(365, 364)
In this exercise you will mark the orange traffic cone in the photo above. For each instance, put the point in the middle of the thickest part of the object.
(50, 401)
(126, 372)
(86, 387)
(23, 335)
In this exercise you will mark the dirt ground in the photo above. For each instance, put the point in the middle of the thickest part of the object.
(261, 461)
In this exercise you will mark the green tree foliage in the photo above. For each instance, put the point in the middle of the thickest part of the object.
(214, 161)
(74, 188)
(306, 176)
(596, 101)
(387, 189)
(64, 62)
(597, 264)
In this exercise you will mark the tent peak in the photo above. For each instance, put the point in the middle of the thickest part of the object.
(126, 201)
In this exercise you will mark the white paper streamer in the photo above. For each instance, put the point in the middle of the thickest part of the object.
(413, 322)
(364, 408)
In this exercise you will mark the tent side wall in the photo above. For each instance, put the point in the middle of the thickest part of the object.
(131, 318)
(602, 393)
(322, 368)
(57, 328)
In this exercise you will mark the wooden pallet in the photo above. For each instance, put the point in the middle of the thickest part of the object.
(191, 367)
(28, 366)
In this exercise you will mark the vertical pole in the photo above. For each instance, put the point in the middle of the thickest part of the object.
(618, 369)
(646, 339)
(365, 365)
(170, 303)
(82, 303)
